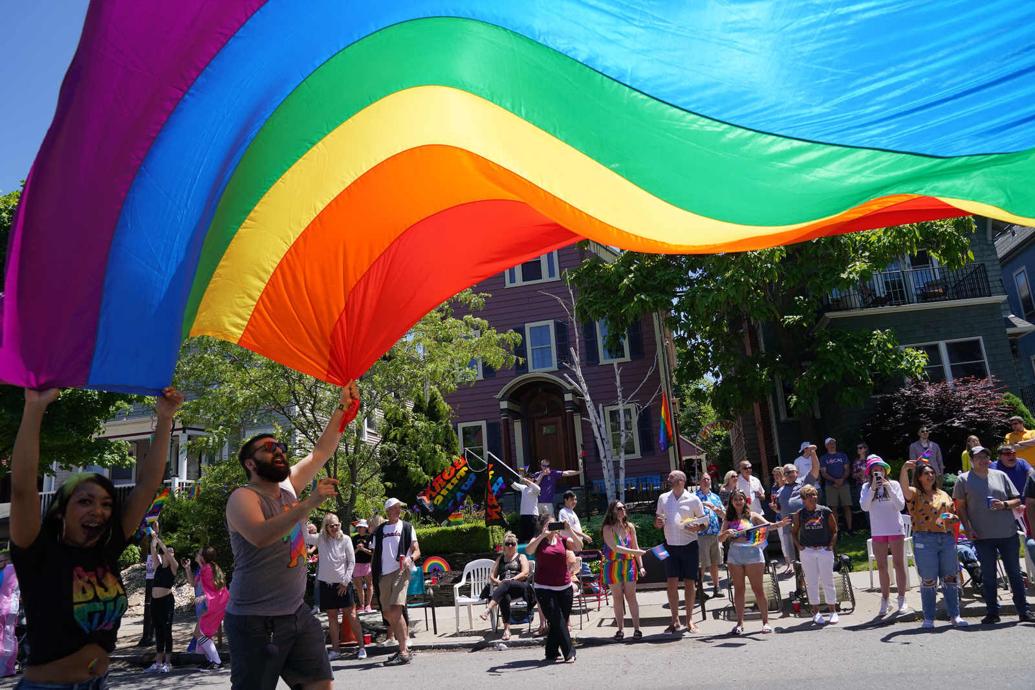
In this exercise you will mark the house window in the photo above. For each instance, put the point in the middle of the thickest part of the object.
(475, 365)
(1020, 279)
(472, 437)
(614, 428)
(608, 355)
(949, 360)
(123, 476)
(538, 270)
(542, 350)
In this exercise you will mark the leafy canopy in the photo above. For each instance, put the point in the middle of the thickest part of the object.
(712, 298)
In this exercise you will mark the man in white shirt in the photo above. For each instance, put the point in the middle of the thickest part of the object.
(749, 484)
(676, 513)
(804, 460)
(567, 514)
(529, 510)
(395, 552)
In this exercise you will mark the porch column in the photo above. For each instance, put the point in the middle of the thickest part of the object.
(181, 460)
(506, 436)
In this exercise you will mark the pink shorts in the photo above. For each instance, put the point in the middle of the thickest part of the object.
(888, 539)
(361, 570)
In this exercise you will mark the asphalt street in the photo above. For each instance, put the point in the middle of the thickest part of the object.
(856, 655)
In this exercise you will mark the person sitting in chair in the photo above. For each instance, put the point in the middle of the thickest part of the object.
(509, 579)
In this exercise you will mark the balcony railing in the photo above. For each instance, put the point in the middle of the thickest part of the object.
(913, 286)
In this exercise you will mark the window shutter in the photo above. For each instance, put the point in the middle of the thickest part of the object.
(560, 340)
(589, 334)
(492, 432)
(487, 371)
(521, 352)
(635, 340)
(646, 429)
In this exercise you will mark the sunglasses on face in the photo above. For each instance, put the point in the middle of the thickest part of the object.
(619, 507)
(333, 526)
(510, 543)
(271, 446)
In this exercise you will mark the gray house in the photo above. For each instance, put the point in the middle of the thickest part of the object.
(961, 318)
(1015, 247)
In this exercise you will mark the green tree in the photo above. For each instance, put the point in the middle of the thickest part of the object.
(699, 422)
(232, 390)
(712, 299)
(421, 441)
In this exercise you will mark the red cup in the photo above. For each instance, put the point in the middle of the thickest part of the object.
(796, 605)
(368, 638)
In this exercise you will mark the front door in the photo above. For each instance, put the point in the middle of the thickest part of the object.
(548, 441)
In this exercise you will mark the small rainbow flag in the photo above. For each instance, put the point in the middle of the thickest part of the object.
(665, 427)
(152, 513)
(660, 552)
(456, 518)
(756, 534)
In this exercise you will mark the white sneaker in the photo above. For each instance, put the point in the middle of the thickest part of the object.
(834, 618)
(902, 607)
(333, 655)
(927, 624)
(818, 619)
(959, 622)
(362, 654)
(884, 605)
(153, 668)
(164, 668)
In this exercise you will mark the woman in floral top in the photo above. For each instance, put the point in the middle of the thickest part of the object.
(934, 544)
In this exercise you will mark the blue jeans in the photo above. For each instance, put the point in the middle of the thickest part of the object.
(935, 554)
(1006, 549)
(100, 683)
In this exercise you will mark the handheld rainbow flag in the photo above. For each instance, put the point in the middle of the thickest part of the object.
(756, 534)
(152, 513)
(665, 427)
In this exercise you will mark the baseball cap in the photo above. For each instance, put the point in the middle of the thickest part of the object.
(362, 523)
(392, 502)
(829, 439)
(979, 449)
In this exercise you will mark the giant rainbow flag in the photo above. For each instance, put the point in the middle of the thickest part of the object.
(308, 179)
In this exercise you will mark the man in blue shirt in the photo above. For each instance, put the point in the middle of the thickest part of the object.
(835, 467)
(709, 551)
(1017, 469)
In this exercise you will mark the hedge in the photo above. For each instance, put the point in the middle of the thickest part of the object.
(470, 538)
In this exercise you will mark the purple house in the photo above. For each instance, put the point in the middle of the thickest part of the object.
(530, 411)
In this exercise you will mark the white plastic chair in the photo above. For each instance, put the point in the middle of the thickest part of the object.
(476, 575)
(871, 560)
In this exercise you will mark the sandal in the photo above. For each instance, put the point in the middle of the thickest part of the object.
(692, 628)
(737, 630)
(638, 635)
(506, 637)
(672, 629)
(619, 635)
(766, 629)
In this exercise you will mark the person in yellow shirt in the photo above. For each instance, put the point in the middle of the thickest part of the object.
(965, 455)
(1023, 440)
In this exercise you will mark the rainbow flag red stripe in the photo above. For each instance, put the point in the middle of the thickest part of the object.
(665, 426)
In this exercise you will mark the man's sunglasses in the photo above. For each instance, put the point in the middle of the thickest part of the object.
(510, 543)
(271, 447)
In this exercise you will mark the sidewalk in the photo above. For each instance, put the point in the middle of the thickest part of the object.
(594, 627)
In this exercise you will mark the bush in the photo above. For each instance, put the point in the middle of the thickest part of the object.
(473, 539)
(968, 406)
(131, 556)
(1018, 408)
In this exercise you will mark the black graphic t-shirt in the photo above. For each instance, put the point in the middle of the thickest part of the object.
(72, 596)
(361, 540)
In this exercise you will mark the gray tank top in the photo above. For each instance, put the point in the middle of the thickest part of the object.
(269, 581)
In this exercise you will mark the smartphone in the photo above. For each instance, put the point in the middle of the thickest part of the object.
(878, 476)
(557, 526)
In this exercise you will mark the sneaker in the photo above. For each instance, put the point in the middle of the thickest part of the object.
(164, 668)
(928, 624)
(333, 655)
(884, 606)
(397, 660)
(153, 668)
(833, 618)
(213, 666)
(1025, 617)
(990, 619)
(362, 653)
(959, 622)
(902, 607)
(818, 619)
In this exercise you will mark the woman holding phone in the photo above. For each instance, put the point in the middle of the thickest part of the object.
(882, 499)
(554, 554)
(934, 517)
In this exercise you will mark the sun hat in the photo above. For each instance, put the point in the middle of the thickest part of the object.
(806, 444)
(362, 523)
(876, 461)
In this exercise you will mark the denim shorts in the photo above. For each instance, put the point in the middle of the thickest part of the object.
(744, 554)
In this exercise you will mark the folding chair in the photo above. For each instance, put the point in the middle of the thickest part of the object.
(843, 589)
(420, 596)
(770, 583)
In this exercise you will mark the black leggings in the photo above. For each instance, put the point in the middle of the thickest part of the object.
(556, 607)
(508, 590)
(162, 619)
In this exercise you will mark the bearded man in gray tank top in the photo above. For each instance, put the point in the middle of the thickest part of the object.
(272, 633)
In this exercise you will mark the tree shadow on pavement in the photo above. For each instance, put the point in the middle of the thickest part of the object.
(519, 665)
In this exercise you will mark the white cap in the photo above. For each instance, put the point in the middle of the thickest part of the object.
(391, 502)
(804, 445)
(979, 449)
(362, 523)
(829, 439)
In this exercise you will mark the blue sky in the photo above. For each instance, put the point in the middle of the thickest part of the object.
(37, 41)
